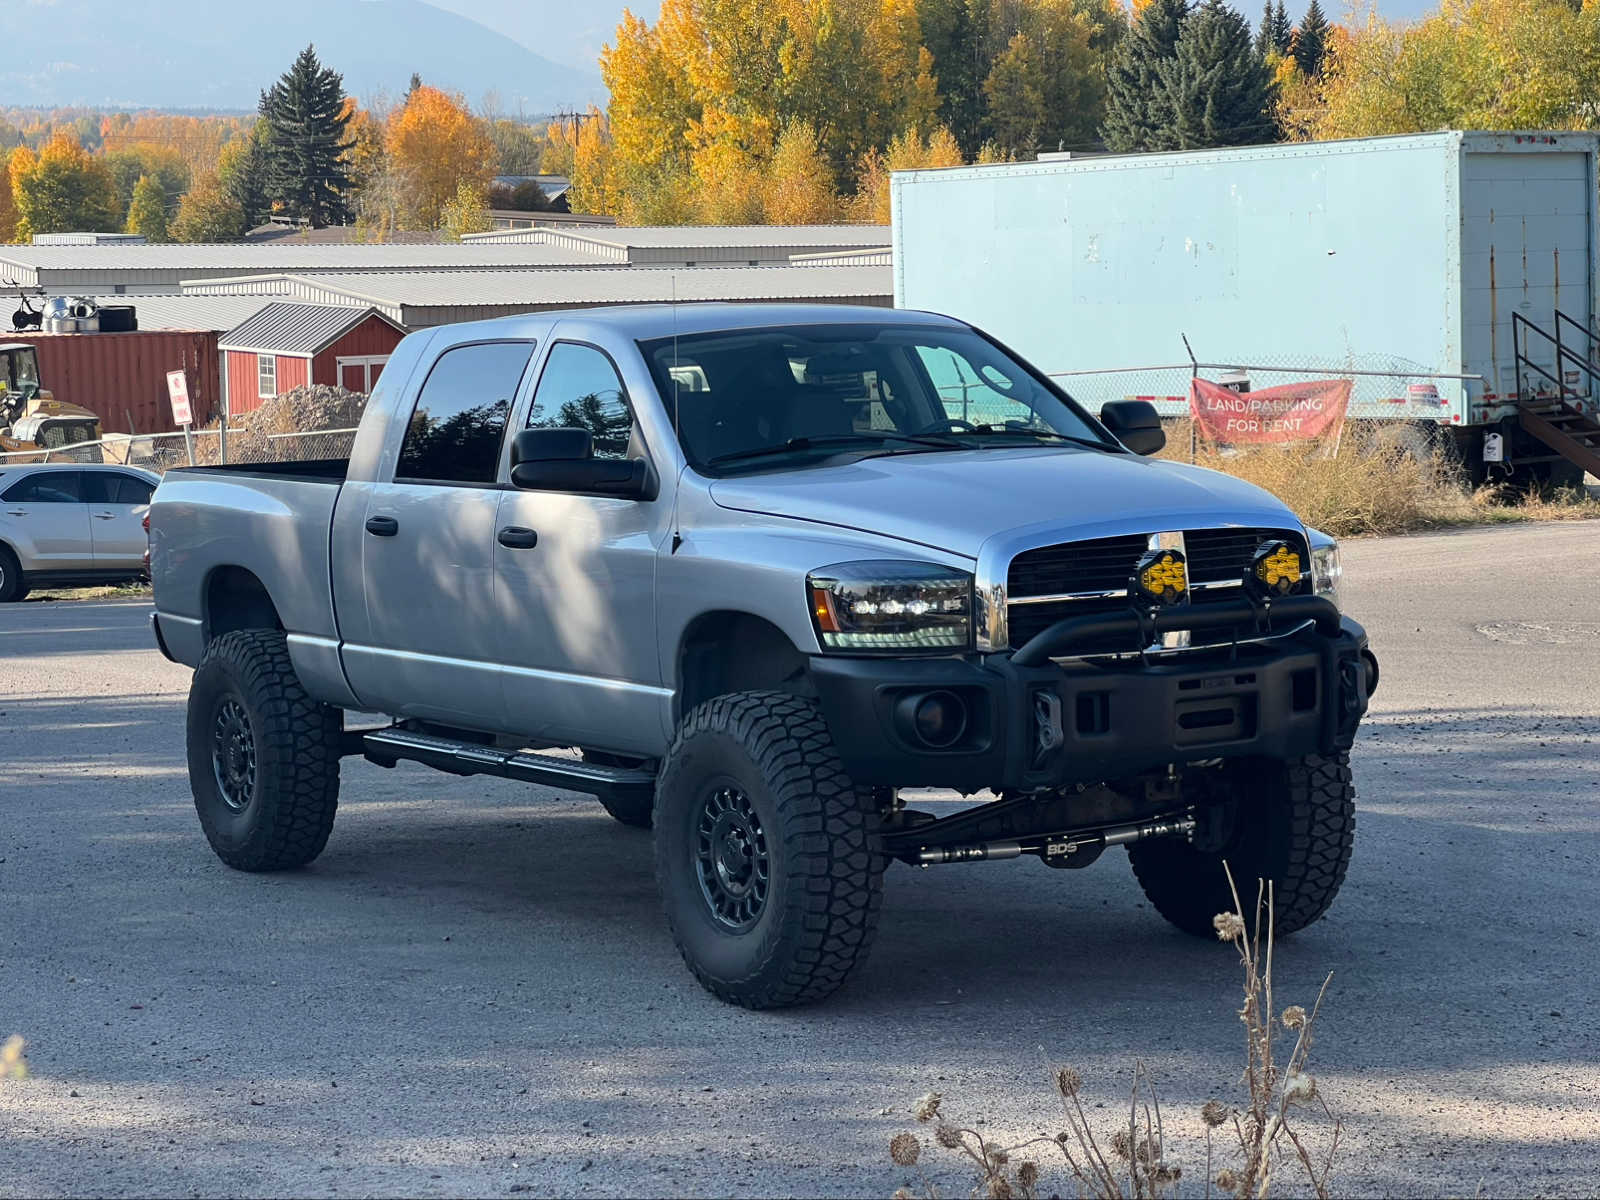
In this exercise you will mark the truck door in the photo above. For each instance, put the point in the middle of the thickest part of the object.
(575, 578)
(433, 641)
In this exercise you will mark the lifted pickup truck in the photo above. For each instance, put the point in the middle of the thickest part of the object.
(764, 567)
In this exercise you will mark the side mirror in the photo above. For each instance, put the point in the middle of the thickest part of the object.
(1135, 424)
(562, 460)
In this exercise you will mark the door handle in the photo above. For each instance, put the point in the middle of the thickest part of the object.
(16, 512)
(516, 537)
(104, 516)
(383, 526)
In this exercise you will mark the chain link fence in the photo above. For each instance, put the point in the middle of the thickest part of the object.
(1384, 387)
(201, 447)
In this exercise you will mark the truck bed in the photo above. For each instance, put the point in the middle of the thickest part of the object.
(311, 470)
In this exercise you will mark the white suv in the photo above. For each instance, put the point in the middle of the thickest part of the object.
(71, 523)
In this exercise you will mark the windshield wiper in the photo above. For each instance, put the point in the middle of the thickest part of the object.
(940, 441)
(1053, 435)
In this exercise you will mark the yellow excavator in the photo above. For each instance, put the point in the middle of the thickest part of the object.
(30, 417)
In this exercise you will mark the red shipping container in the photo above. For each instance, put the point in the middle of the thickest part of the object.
(122, 377)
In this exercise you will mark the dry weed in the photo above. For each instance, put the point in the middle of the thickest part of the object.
(12, 1064)
(1132, 1162)
(1382, 480)
(250, 435)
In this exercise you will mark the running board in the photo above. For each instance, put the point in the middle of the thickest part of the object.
(387, 746)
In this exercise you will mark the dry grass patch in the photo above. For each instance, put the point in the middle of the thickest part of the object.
(1381, 481)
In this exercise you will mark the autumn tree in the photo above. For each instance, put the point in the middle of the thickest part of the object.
(163, 164)
(1139, 107)
(800, 188)
(305, 118)
(517, 146)
(465, 212)
(147, 211)
(8, 204)
(1048, 89)
(908, 151)
(1473, 64)
(62, 188)
(208, 212)
(435, 145)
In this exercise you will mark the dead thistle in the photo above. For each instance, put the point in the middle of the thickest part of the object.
(1132, 1163)
(12, 1064)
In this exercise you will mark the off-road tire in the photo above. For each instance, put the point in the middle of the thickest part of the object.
(12, 585)
(1293, 824)
(634, 812)
(287, 814)
(821, 835)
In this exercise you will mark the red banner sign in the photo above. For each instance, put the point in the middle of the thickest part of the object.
(1291, 412)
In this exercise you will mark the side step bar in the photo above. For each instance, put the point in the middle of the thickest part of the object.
(388, 746)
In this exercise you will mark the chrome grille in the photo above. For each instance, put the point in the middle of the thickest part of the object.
(1071, 569)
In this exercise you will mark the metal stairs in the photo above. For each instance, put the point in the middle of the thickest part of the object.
(1546, 407)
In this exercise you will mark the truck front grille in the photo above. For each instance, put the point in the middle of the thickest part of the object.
(1091, 577)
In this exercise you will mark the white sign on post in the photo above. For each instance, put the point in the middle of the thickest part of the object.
(178, 393)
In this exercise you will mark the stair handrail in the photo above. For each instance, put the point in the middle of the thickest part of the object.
(1521, 324)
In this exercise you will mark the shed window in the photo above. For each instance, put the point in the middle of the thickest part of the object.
(266, 376)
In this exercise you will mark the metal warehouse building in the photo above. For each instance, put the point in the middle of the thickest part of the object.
(418, 299)
(693, 245)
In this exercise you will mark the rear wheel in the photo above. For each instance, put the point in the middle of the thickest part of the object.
(1291, 823)
(767, 853)
(263, 756)
(12, 585)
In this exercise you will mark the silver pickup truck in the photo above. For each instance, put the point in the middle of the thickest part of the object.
(750, 574)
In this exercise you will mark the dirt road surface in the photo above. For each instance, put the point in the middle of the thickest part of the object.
(473, 991)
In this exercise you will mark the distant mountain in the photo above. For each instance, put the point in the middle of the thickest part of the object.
(558, 29)
(206, 54)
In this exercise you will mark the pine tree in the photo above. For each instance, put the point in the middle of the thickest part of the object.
(1265, 42)
(305, 142)
(1139, 111)
(1221, 90)
(147, 213)
(243, 171)
(1282, 31)
(1311, 41)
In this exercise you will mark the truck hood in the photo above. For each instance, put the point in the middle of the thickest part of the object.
(956, 501)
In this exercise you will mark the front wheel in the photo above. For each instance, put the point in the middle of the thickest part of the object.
(767, 853)
(263, 756)
(1291, 823)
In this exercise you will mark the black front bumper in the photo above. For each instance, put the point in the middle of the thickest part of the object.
(1035, 724)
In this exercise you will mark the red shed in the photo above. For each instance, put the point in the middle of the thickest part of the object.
(287, 345)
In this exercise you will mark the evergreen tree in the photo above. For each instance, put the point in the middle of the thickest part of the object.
(243, 173)
(1266, 43)
(147, 213)
(1220, 89)
(306, 173)
(1139, 109)
(1311, 41)
(1282, 31)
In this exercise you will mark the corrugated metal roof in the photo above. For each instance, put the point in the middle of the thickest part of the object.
(645, 242)
(867, 256)
(295, 328)
(240, 257)
(395, 292)
(211, 313)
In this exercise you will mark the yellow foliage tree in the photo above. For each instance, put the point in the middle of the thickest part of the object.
(434, 145)
(908, 151)
(1473, 64)
(465, 212)
(62, 188)
(799, 188)
(8, 204)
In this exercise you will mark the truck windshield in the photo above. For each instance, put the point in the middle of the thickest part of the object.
(753, 398)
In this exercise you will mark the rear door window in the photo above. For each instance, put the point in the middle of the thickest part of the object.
(460, 416)
(47, 487)
(115, 487)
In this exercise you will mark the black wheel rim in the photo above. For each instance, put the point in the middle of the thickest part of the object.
(233, 755)
(731, 858)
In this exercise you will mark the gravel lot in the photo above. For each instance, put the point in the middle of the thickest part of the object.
(473, 991)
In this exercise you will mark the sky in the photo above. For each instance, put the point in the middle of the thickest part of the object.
(572, 31)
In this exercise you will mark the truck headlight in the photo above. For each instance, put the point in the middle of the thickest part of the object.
(891, 605)
(1326, 570)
